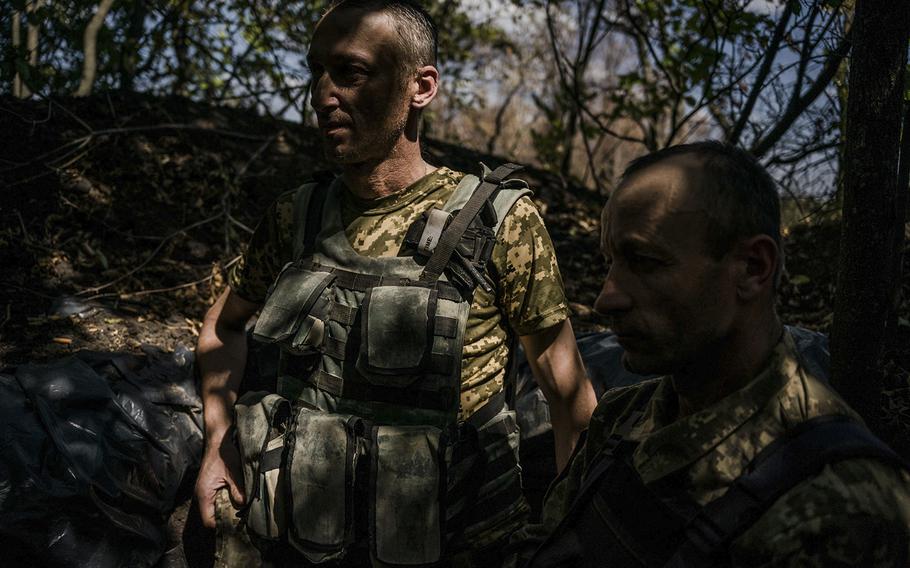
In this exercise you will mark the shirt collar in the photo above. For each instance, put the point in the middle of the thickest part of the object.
(396, 201)
(668, 444)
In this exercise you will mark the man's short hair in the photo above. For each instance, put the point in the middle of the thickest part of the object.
(416, 29)
(740, 196)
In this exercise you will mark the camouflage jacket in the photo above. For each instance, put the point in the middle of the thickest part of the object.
(529, 294)
(854, 513)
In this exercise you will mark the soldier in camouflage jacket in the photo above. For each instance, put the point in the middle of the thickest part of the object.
(693, 241)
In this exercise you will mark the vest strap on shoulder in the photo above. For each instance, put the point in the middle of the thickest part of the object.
(782, 465)
(618, 513)
(456, 229)
(309, 201)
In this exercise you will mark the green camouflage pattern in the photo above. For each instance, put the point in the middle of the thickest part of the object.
(854, 513)
(529, 292)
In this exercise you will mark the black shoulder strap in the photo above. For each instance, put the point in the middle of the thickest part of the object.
(581, 538)
(314, 210)
(453, 233)
(783, 464)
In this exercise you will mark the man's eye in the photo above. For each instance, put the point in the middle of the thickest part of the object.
(352, 72)
(644, 261)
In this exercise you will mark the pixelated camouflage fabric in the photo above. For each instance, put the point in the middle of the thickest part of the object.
(529, 293)
(854, 513)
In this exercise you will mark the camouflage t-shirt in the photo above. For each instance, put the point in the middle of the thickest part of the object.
(854, 513)
(529, 293)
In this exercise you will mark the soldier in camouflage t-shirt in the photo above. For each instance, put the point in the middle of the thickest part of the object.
(529, 295)
(373, 72)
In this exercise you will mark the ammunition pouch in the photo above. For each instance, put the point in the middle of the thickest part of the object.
(397, 332)
(407, 494)
(302, 475)
(262, 425)
(323, 453)
(288, 317)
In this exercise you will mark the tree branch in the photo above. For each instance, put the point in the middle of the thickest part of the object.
(768, 60)
(799, 104)
(90, 45)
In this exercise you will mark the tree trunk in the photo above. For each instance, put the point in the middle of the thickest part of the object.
(181, 49)
(90, 49)
(873, 221)
(20, 89)
(843, 92)
(129, 55)
(17, 41)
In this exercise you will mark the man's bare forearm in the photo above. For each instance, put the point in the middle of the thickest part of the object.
(221, 354)
(560, 373)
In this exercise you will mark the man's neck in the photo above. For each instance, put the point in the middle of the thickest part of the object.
(732, 365)
(375, 179)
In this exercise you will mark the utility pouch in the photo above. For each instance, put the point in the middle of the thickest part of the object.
(262, 423)
(484, 482)
(396, 334)
(290, 300)
(408, 476)
(322, 461)
(499, 439)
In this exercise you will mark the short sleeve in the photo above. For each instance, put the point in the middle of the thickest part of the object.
(531, 291)
(269, 249)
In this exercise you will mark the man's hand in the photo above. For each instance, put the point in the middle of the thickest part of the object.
(560, 373)
(220, 468)
(221, 355)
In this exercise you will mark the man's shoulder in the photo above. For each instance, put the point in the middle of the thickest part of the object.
(625, 399)
(617, 404)
(857, 506)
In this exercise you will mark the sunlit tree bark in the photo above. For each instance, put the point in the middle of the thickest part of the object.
(90, 49)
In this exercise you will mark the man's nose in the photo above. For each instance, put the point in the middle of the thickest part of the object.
(323, 97)
(611, 299)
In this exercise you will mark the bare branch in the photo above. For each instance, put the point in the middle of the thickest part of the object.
(501, 113)
(799, 104)
(774, 45)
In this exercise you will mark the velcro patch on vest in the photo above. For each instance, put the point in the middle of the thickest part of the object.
(437, 219)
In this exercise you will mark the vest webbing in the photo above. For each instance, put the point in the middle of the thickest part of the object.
(453, 233)
(309, 204)
(371, 360)
(618, 520)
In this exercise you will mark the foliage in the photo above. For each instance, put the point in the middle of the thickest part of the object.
(237, 52)
(695, 68)
(581, 86)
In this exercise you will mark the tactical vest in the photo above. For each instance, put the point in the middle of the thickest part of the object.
(362, 441)
(616, 520)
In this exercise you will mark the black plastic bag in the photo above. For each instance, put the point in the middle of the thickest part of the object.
(93, 451)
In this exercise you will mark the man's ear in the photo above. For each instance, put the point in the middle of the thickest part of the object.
(427, 81)
(757, 258)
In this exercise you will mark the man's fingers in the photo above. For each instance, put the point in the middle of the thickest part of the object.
(237, 496)
(207, 509)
